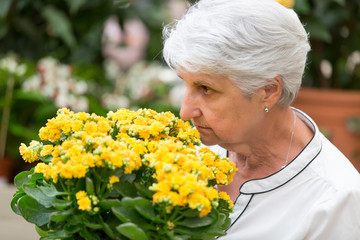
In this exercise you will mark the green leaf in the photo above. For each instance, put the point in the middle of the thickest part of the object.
(107, 204)
(132, 202)
(128, 178)
(75, 5)
(89, 186)
(318, 30)
(61, 204)
(34, 212)
(59, 24)
(147, 211)
(14, 201)
(4, 7)
(51, 191)
(340, 2)
(72, 228)
(58, 234)
(122, 3)
(92, 225)
(108, 230)
(46, 159)
(191, 213)
(3, 30)
(30, 96)
(38, 195)
(131, 231)
(42, 233)
(115, 131)
(227, 223)
(35, 177)
(302, 6)
(126, 214)
(172, 236)
(88, 236)
(126, 189)
(221, 220)
(75, 220)
(196, 222)
(143, 190)
(61, 216)
(214, 232)
(22, 178)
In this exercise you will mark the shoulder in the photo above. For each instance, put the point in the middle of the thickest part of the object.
(332, 167)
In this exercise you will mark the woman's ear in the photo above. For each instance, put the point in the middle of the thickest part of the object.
(273, 92)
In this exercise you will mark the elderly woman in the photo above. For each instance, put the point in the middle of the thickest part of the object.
(242, 62)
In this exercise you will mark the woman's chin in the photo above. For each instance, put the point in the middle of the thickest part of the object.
(208, 141)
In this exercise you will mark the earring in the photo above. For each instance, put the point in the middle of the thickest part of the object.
(266, 109)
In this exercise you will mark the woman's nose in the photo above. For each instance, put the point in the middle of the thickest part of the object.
(189, 108)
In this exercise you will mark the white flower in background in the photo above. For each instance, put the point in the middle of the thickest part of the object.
(81, 104)
(167, 75)
(55, 82)
(31, 84)
(176, 94)
(144, 82)
(353, 61)
(115, 101)
(11, 65)
(80, 87)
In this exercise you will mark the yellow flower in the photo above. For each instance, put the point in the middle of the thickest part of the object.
(80, 194)
(103, 126)
(79, 171)
(76, 125)
(82, 116)
(46, 150)
(113, 179)
(160, 196)
(287, 3)
(224, 195)
(175, 198)
(221, 178)
(211, 193)
(27, 154)
(90, 127)
(83, 201)
(170, 225)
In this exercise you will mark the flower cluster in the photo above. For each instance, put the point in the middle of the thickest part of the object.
(94, 160)
(143, 84)
(55, 81)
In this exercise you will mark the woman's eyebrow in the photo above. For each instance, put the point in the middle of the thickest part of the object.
(200, 83)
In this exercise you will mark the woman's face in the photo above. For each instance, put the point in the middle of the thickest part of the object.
(219, 110)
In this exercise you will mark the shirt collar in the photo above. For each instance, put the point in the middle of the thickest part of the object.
(284, 175)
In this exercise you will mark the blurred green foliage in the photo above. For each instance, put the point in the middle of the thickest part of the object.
(334, 28)
(71, 30)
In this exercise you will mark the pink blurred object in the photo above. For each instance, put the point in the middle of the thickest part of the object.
(134, 39)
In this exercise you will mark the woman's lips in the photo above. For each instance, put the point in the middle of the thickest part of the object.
(201, 127)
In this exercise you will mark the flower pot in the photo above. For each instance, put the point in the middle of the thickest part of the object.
(7, 169)
(331, 109)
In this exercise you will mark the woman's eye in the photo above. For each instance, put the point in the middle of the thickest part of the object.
(206, 89)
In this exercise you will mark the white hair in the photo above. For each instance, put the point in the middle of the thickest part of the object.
(249, 41)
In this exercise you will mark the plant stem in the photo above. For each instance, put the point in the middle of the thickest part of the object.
(6, 115)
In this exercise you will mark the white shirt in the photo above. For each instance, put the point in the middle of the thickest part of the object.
(316, 196)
